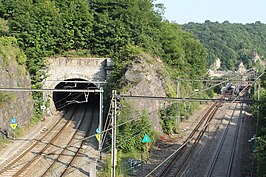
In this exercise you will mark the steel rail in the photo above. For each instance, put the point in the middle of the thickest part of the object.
(234, 144)
(65, 148)
(198, 138)
(167, 169)
(70, 164)
(220, 146)
(18, 173)
(9, 165)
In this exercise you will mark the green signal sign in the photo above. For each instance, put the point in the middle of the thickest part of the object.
(146, 139)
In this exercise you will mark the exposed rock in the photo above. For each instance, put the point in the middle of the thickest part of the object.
(13, 104)
(146, 76)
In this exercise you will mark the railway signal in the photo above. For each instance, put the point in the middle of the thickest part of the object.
(13, 126)
(146, 139)
(13, 123)
(13, 120)
(98, 137)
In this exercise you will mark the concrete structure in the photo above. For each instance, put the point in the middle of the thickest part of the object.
(241, 68)
(93, 70)
(217, 64)
(60, 69)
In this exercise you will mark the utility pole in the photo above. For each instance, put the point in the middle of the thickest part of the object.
(100, 122)
(43, 107)
(258, 115)
(178, 87)
(113, 163)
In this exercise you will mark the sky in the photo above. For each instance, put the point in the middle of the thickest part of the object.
(234, 11)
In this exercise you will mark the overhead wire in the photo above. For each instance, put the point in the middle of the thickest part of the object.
(186, 142)
(138, 118)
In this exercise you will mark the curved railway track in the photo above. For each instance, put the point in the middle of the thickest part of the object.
(22, 160)
(40, 149)
(63, 146)
(75, 164)
(178, 161)
(222, 162)
(64, 163)
(175, 166)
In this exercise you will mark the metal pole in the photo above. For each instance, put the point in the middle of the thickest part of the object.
(113, 165)
(43, 105)
(259, 91)
(178, 87)
(100, 122)
(258, 114)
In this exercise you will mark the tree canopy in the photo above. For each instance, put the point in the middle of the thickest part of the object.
(100, 27)
(232, 43)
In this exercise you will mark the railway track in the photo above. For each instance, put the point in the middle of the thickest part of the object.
(177, 163)
(22, 159)
(19, 165)
(222, 162)
(75, 162)
(61, 150)
(64, 163)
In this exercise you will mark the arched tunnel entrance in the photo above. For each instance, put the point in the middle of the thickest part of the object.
(65, 99)
(83, 107)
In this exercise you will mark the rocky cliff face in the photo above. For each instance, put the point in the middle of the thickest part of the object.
(146, 76)
(12, 74)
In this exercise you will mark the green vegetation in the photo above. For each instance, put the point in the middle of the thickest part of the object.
(133, 125)
(106, 28)
(9, 50)
(117, 29)
(123, 30)
(5, 96)
(232, 43)
(130, 134)
(259, 112)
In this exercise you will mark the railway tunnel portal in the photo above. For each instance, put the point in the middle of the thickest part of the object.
(75, 83)
(63, 73)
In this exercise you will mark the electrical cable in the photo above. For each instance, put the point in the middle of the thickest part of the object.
(137, 118)
(134, 119)
(185, 143)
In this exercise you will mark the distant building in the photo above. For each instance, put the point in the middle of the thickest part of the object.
(256, 57)
(241, 68)
(217, 64)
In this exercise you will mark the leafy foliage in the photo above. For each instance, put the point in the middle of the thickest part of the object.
(232, 43)
(3, 27)
(130, 135)
(110, 28)
(103, 27)
(259, 112)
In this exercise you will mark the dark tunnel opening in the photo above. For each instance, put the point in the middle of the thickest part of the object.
(72, 101)
(82, 107)
(62, 100)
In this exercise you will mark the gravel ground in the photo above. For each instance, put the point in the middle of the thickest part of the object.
(165, 147)
(209, 143)
(204, 154)
(244, 155)
(85, 164)
(10, 151)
